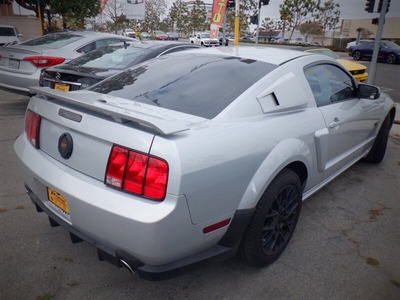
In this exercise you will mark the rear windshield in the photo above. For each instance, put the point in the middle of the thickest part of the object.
(201, 84)
(112, 57)
(53, 40)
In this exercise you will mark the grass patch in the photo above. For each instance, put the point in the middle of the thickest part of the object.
(395, 282)
(372, 261)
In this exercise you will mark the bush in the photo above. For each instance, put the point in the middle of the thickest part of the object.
(397, 42)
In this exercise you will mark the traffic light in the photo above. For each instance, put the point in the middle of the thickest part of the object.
(380, 4)
(254, 19)
(264, 2)
(231, 3)
(369, 6)
(375, 21)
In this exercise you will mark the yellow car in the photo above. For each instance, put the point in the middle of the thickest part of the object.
(358, 71)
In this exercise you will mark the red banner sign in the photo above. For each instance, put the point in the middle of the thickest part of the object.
(218, 12)
(103, 4)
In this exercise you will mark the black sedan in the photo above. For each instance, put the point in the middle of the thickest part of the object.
(97, 65)
(388, 51)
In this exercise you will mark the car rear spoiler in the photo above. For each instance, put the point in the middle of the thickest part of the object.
(122, 110)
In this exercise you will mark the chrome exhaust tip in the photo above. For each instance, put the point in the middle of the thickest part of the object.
(126, 265)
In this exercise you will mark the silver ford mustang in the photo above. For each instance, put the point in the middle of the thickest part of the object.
(198, 155)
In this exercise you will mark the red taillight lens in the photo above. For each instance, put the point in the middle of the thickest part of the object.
(137, 173)
(156, 179)
(116, 167)
(44, 61)
(32, 128)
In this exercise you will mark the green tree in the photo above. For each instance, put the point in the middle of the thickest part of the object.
(296, 12)
(115, 9)
(75, 11)
(178, 14)
(328, 14)
(197, 16)
(155, 11)
(308, 28)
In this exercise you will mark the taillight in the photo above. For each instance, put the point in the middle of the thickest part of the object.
(137, 173)
(32, 127)
(44, 61)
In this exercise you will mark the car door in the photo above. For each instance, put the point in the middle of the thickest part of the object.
(350, 121)
(367, 49)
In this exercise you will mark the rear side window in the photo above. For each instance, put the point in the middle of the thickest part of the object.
(201, 85)
(53, 40)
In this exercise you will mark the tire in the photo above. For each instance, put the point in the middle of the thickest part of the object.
(378, 149)
(391, 58)
(357, 55)
(274, 221)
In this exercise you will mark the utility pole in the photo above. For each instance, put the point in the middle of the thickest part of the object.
(372, 71)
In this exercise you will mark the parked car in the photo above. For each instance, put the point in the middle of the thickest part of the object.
(162, 170)
(222, 40)
(102, 63)
(354, 43)
(300, 41)
(173, 36)
(20, 65)
(145, 35)
(129, 32)
(388, 51)
(203, 39)
(160, 35)
(247, 39)
(358, 71)
(9, 35)
(281, 41)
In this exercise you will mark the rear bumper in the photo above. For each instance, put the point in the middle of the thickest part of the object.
(225, 249)
(158, 240)
(18, 83)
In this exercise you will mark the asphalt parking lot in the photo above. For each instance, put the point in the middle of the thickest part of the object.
(346, 245)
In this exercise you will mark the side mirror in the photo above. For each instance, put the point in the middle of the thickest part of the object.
(20, 35)
(368, 91)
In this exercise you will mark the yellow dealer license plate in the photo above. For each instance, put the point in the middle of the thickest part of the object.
(61, 87)
(58, 200)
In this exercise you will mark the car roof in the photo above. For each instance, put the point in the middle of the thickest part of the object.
(8, 26)
(153, 44)
(266, 54)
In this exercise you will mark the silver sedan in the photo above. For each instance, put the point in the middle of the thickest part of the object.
(198, 155)
(20, 65)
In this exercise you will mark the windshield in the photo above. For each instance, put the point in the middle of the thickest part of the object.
(205, 35)
(53, 40)
(326, 52)
(7, 31)
(212, 86)
(111, 57)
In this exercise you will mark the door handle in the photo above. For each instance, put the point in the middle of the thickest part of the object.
(335, 123)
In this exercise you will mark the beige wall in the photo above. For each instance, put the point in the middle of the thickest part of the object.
(391, 30)
(28, 26)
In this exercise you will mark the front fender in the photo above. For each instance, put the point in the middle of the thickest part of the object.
(285, 153)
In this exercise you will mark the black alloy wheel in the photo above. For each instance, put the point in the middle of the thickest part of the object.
(391, 58)
(357, 55)
(274, 220)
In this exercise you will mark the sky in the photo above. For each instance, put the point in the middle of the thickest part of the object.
(349, 9)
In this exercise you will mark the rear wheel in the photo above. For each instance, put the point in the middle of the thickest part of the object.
(357, 55)
(378, 150)
(274, 220)
(391, 58)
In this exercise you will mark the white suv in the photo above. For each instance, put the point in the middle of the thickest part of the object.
(9, 35)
